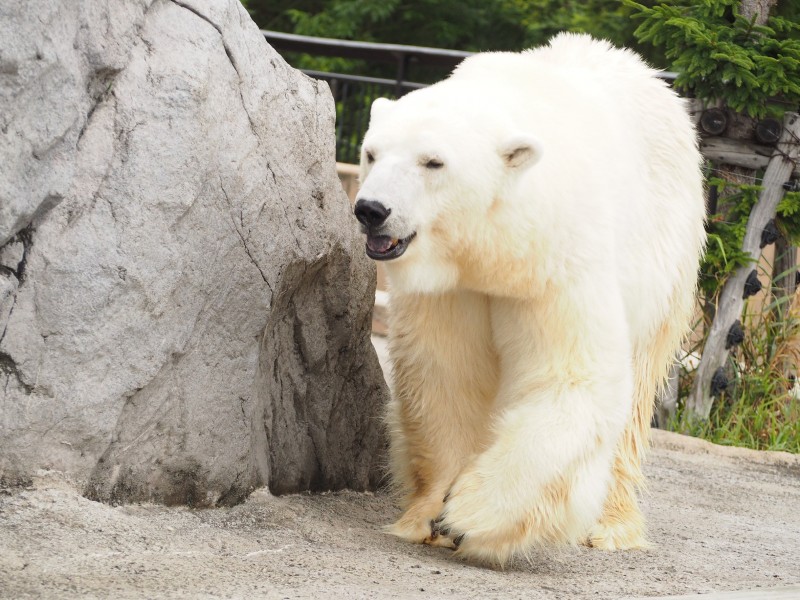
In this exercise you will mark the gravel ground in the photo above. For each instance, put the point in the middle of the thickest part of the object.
(720, 519)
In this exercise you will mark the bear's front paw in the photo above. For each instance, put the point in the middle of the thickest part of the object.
(415, 524)
(440, 536)
(476, 523)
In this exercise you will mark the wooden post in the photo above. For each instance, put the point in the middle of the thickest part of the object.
(784, 274)
(709, 378)
(667, 404)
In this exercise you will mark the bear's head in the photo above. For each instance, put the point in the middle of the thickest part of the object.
(434, 166)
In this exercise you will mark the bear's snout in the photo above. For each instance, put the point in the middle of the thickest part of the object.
(371, 213)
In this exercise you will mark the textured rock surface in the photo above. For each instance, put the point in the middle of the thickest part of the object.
(184, 301)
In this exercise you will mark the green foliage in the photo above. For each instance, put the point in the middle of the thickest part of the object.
(724, 252)
(726, 229)
(757, 410)
(473, 25)
(770, 424)
(761, 408)
(466, 25)
(606, 19)
(789, 217)
(469, 25)
(720, 55)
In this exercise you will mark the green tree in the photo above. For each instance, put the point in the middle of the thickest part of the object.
(474, 25)
(722, 55)
(466, 25)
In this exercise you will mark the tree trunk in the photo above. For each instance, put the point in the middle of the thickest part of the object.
(758, 8)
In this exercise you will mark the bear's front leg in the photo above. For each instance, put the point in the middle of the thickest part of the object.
(444, 380)
(561, 412)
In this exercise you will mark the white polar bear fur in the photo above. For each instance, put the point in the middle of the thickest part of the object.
(538, 308)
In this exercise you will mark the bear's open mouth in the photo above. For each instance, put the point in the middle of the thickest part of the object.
(383, 247)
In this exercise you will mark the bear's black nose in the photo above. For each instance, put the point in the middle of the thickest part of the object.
(371, 213)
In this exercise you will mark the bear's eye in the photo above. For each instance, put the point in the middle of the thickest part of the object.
(370, 157)
(433, 163)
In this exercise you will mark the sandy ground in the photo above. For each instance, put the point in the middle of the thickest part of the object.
(720, 519)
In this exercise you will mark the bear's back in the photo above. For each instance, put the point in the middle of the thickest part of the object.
(567, 54)
(604, 116)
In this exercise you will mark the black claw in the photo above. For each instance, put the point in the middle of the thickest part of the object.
(458, 540)
(446, 497)
(434, 529)
(438, 519)
(444, 532)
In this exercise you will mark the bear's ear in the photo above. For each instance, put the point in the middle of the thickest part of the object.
(521, 151)
(379, 107)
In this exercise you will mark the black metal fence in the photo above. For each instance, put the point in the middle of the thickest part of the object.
(354, 94)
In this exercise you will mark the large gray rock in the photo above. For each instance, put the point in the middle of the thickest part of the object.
(185, 304)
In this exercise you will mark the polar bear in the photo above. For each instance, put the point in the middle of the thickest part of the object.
(541, 218)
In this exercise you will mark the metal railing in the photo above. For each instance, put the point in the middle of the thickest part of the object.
(353, 94)
(404, 57)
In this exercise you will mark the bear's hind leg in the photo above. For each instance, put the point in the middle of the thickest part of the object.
(622, 525)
